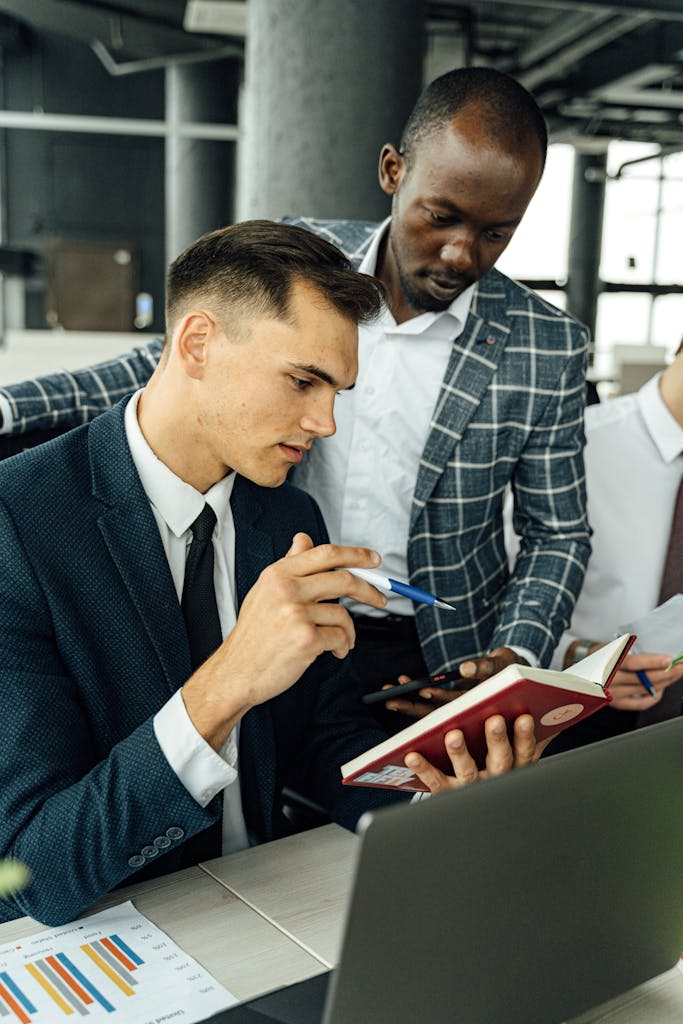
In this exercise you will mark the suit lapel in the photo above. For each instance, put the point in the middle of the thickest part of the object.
(253, 546)
(132, 539)
(253, 553)
(472, 363)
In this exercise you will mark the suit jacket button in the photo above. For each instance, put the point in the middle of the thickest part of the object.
(136, 861)
(149, 851)
(175, 832)
(162, 842)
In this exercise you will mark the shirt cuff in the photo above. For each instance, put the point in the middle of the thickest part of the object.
(557, 661)
(7, 418)
(522, 652)
(200, 769)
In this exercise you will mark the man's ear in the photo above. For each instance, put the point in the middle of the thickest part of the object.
(391, 169)
(192, 338)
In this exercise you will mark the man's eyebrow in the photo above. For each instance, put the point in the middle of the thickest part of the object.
(317, 371)
(453, 208)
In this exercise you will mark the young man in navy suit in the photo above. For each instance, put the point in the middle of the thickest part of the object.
(127, 752)
(468, 382)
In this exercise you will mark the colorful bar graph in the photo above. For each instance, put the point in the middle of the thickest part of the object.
(97, 959)
(69, 980)
(117, 952)
(82, 980)
(108, 958)
(57, 983)
(14, 1006)
(17, 993)
(125, 948)
(49, 989)
(88, 969)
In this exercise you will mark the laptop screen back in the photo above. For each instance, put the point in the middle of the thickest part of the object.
(531, 897)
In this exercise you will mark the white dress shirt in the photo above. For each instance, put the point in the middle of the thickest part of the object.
(364, 476)
(175, 505)
(634, 464)
(5, 415)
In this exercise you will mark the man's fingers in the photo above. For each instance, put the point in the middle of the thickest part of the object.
(311, 566)
(477, 667)
(500, 757)
(645, 662)
(300, 542)
(305, 560)
(412, 708)
(496, 660)
(434, 780)
(526, 749)
(328, 617)
(330, 586)
(464, 766)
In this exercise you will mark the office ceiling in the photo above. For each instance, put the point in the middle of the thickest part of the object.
(600, 70)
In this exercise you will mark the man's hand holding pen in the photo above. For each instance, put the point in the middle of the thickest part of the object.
(627, 688)
(288, 618)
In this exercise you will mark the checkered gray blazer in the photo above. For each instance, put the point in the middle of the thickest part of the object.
(510, 411)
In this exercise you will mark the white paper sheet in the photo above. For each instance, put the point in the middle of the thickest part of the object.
(661, 630)
(115, 965)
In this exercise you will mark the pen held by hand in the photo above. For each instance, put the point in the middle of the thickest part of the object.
(642, 676)
(391, 586)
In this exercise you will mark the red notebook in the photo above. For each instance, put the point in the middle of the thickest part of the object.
(555, 699)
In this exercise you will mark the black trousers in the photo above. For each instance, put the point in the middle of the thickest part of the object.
(385, 648)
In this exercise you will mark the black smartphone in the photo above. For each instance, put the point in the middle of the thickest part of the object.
(444, 680)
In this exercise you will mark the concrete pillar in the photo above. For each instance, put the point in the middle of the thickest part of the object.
(585, 235)
(200, 173)
(327, 83)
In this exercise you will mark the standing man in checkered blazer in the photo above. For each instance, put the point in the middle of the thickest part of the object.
(468, 382)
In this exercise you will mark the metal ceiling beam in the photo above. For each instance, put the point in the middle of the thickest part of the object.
(590, 43)
(115, 126)
(655, 99)
(558, 35)
(125, 32)
(669, 10)
(134, 67)
(658, 46)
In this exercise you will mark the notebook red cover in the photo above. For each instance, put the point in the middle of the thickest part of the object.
(510, 693)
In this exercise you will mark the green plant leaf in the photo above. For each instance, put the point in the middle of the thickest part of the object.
(13, 875)
(675, 661)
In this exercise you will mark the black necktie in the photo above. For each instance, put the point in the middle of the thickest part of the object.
(199, 597)
(672, 583)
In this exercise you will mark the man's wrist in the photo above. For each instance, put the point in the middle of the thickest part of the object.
(578, 650)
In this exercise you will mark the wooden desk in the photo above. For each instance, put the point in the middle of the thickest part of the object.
(301, 884)
(274, 915)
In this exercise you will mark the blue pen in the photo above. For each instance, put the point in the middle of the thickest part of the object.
(646, 682)
(382, 582)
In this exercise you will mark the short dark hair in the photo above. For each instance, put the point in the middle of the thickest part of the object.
(252, 265)
(511, 113)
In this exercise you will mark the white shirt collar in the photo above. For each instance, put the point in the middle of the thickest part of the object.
(664, 429)
(459, 308)
(177, 502)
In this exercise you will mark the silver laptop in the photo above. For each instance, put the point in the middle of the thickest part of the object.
(531, 897)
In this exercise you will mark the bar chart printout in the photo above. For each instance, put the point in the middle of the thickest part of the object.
(114, 965)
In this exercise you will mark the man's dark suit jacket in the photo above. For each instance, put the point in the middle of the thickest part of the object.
(93, 644)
